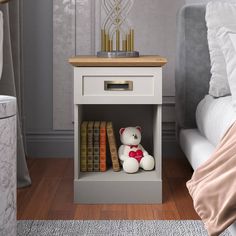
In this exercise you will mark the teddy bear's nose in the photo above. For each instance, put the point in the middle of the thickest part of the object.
(135, 136)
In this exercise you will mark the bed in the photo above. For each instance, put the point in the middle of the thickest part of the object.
(198, 136)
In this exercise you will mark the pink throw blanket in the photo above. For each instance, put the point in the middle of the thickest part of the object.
(213, 186)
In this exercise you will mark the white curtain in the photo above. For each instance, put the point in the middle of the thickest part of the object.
(12, 79)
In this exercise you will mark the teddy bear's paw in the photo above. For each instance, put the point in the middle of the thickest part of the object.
(123, 157)
(130, 165)
(147, 163)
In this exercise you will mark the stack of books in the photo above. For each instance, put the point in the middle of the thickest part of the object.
(93, 146)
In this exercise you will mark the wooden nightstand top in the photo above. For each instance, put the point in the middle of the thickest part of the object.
(145, 61)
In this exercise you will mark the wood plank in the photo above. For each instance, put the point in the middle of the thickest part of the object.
(87, 212)
(165, 215)
(182, 199)
(50, 168)
(62, 206)
(69, 169)
(113, 212)
(24, 196)
(177, 167)
(41, 199)
(145, 61)
(140, 212)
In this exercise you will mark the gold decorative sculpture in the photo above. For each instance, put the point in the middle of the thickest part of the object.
(117, 35)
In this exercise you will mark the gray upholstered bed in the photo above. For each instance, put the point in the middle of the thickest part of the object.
(192, 83)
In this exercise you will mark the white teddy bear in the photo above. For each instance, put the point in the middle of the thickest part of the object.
(131, 153)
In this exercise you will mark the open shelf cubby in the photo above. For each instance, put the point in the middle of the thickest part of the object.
(119, 187)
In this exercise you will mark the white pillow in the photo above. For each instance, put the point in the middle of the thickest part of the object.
(218, 14)
(226, 37)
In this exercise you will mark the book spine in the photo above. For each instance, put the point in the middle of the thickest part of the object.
(113, 147)
(90, 146)
(103, 164)
(83, 146)
(96, 137)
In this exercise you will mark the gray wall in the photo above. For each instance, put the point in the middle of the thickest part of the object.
(37, 54)
(37, 43)
(37, 38)
(77, 24)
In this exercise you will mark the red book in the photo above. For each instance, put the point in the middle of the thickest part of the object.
(103, 154)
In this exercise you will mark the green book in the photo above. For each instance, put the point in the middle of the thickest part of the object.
(90, 146)
(96, 146)
(83, 146)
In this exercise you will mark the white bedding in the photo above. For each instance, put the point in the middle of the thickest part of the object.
(214, 116)
(196, 147)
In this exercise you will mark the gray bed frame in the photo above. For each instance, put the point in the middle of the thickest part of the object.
(192, 81)
(192, 63)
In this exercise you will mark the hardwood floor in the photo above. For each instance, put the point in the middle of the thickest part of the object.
(51, 195)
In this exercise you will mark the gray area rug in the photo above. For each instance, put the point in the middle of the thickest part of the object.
(113, 228)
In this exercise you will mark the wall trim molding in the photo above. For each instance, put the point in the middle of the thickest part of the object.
(61, 143)
(168, 100)
(50, 144)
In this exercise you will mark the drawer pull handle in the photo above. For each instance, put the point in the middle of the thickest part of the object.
(118, 85)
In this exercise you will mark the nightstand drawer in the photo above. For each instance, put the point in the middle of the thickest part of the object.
(119, 85)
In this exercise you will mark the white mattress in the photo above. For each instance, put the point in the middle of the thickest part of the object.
(214, 116)
(196, 147)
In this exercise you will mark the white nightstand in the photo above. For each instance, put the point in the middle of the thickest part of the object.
(119, 81)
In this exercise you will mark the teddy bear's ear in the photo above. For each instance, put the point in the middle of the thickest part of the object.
(122, 130)
(139, 128)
